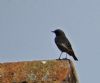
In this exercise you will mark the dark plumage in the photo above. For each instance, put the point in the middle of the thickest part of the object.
(63, 43)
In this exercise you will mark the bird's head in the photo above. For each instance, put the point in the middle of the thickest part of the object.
(58, 32)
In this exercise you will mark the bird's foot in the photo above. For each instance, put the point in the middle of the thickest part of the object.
(65, 59)
(58, 59)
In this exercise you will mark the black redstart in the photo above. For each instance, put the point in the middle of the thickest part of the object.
(63, 43)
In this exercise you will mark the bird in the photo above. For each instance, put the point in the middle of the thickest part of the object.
(63, 44)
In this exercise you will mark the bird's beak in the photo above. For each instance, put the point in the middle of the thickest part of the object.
(53, 31)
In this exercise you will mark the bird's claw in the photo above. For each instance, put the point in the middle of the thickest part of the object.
(58, 59)
(65, 59)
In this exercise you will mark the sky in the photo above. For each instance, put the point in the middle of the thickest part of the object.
(26, 25)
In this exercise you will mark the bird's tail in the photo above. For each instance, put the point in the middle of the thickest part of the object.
(75, 58)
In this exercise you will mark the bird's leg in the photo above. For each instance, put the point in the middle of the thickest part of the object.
(60, 55)
(66, 56)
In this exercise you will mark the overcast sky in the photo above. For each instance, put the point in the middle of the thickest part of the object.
(26, 25)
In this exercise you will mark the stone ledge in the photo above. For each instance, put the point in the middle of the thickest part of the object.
(49, 71)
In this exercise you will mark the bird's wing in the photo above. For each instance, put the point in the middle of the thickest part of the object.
(66, 46)
(63, 42)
